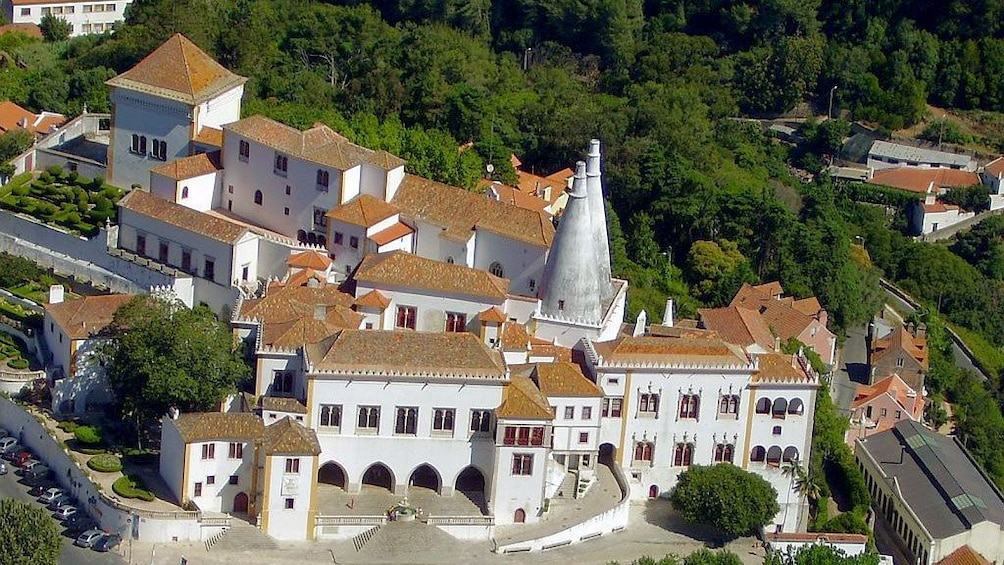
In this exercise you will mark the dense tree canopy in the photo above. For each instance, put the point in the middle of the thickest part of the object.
(820, 554)
(28, 535)
(732, 501)
(163, 355)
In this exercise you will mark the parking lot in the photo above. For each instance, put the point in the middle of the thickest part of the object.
(13, 486)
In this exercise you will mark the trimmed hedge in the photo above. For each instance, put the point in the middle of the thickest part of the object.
(131, 486)
(87, 435)
(18, 364)
(106, 463)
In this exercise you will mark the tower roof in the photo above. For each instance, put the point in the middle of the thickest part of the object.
(178, 70)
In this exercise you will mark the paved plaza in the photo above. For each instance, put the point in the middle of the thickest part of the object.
(655, 530)
(374, 501)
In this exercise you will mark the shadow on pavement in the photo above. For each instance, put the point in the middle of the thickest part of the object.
(858, 372)
(659, 512)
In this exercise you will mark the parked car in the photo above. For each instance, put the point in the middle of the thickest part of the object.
(107, 543)
(38, 473)
(39, 489)
(29, 465)
(79, 523)
(3, 468)
(6, 442)
(50, 494)
(88, 538)
(62, 499)
(21, 458)
(65, 511)
(10, 448)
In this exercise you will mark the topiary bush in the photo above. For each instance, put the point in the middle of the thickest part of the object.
(131, 486)
(106, 463)
(18, 364)
(88, 435)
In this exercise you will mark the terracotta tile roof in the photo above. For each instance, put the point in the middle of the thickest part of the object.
(293, 316)
(363, 210)
(282, 404)
(511, 195)
(563, 379)
(14, 117)
(918, 180)
(395, 232)
(402, 352)
(780, 368)
(190, 167)
(492, 314)
(816, 536)
(459, 212)
(534, 185)
(407, 270)
(210, 136)
(895, 387)
(29, 29)
(738, 325)
(965, 555)
(808, 306)
(87, 316)
(558, 353)
(198, 427)
(207, 225)
(938, 206)
(522, 400)
(995, 167)
(901, 341)
(319, 144)
(514, 337)
(373, 299)
(309, 259)
(180, 71)
(671, 351)
(287, 437)
(781, 316)
(304, 277)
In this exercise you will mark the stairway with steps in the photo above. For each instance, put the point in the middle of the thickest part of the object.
(242, 536)
(362, 539)
(568, 486)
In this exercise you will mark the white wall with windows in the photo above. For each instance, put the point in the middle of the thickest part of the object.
(84, 17)
(147, 131)
(430, 311)
(288, 486)
(521, 471)
(217, 472)
(380, 431)
(576, 430)
(198, 193)
(521, 263)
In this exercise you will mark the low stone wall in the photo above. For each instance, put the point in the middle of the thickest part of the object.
(111, 515)
(610, 521)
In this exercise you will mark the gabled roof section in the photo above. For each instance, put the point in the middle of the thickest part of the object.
(784, 319)
(670, 352)
(492, 314)
(287, 437)
(447, 354)
(282, 404)
(460, 212)
(178, 70)
(514, 337)
(781, 368)
(319, 144)
(995, 167)
(295, 315)
(190, 167)
(965, 555)
(363, 210)
(563, 380)
(522, 400)
(309, 259)
(919, 180)
(14, 117)
(407, 270)
(88, 316)
(373, 299)
(183, 217)
(901, 342)
(198, 427)
(908, 399)
(738, 325)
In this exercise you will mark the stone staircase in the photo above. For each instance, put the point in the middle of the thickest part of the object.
(362, 539)
(586, 480)
(242, 536)
(568, 486)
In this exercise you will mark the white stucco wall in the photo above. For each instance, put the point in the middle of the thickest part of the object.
(218, 497)
(431, 306)
(522, 263)
(288, 523)
(83, 22)
(149, 116)
(202, 190)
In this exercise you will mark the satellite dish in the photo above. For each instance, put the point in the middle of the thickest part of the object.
(490, 168)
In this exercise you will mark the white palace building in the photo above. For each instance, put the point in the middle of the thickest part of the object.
(414, 339)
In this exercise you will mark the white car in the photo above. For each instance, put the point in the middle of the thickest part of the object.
(88, 538)
(65, 511)
(50, 495)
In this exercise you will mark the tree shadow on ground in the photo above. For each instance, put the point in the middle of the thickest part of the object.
(858, 373)
(659, 512)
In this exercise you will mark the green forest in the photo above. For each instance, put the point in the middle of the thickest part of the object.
(703, 201)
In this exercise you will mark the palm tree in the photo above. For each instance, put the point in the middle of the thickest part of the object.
(793, 470)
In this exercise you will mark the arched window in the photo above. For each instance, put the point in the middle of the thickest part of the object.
(184, 192)
(795, 407)
(774, 455)
(258, 197)
(322, 241)
(301, 236)
(683, 454)
(496, 269)
(779, 408)
(790, 454)
(724, 452)
(690, 405)
(312, 238)
(763, 406)
(643, 451)
(406, 421)
(729, 404)
(449, 260)
(758, 454)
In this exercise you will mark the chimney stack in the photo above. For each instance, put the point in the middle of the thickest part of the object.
(56, 294)
(598, 218)
(668, 314)
(639, 324)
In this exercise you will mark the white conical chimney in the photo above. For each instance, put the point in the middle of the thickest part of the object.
(598, 217)
(570, 289)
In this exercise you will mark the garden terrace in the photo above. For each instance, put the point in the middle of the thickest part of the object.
(62, 198)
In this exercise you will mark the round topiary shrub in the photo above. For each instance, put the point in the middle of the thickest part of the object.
(106, 463)
(131, 486)
(18, 364)
(88, 435)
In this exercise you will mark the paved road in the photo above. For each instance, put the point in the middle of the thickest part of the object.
(70, 554)
(853, 369)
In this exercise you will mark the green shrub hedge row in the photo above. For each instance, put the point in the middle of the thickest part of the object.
(88, 435)
(106, 463)
(131, 486)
